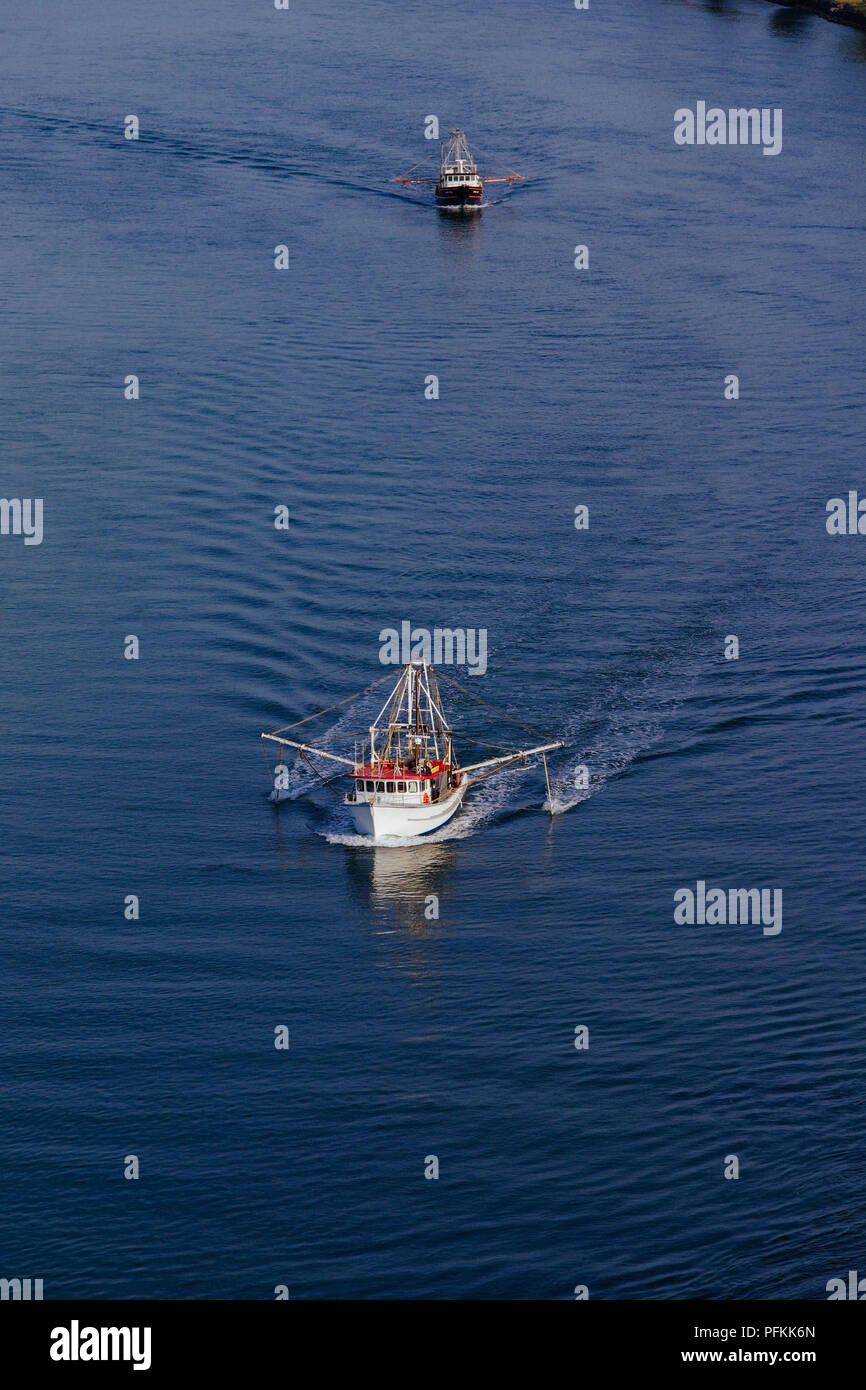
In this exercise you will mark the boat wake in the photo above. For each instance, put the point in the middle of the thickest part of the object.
(622, 724)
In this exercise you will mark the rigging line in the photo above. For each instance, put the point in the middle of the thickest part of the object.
(528, 727)
(416, 166)
(337, 738)
(496, 160)
(327, 780)
(503, 747)
(501, 768)
(348, 698)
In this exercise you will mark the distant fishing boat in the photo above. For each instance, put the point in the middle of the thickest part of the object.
(460, 185)
(405, 778)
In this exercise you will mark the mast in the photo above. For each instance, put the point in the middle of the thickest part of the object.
(456, 154)
(437, 719)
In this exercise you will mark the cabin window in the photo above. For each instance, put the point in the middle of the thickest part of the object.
(371, 786)
(401, 786)
(380, 786)
(389, 786)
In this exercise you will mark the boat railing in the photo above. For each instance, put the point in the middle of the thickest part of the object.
(398, 798)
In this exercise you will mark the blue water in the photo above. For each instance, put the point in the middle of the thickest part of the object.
(410, 1037)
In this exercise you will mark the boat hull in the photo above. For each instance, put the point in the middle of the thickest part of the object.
(382, 822)
(460, 197)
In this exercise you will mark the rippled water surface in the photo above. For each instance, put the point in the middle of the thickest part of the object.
(411, 1037)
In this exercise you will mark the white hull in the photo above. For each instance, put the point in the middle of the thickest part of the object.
(382, 821)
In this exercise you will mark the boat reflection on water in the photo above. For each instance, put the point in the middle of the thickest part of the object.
(398, 882)
(460, 228)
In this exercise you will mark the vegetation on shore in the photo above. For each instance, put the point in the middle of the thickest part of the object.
(841, 11)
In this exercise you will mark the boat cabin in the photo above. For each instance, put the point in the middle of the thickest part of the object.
(402, 784)
(459, 171)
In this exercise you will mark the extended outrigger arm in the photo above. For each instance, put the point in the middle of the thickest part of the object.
(308, 748)
(473, 767)
(523, 753)
(503, 761)
(512, 757)
(485, 178)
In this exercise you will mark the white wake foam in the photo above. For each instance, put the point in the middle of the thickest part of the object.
(619, 726)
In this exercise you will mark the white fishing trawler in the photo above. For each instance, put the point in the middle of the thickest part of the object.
(406, 781)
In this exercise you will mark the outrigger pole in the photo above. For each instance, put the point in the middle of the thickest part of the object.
(307, 748)
(547, 780)
(544, 749)
(518, 753)
(407, 177)
(510, 177)
(472, 767)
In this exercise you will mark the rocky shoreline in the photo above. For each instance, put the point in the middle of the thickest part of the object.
(851, 12)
